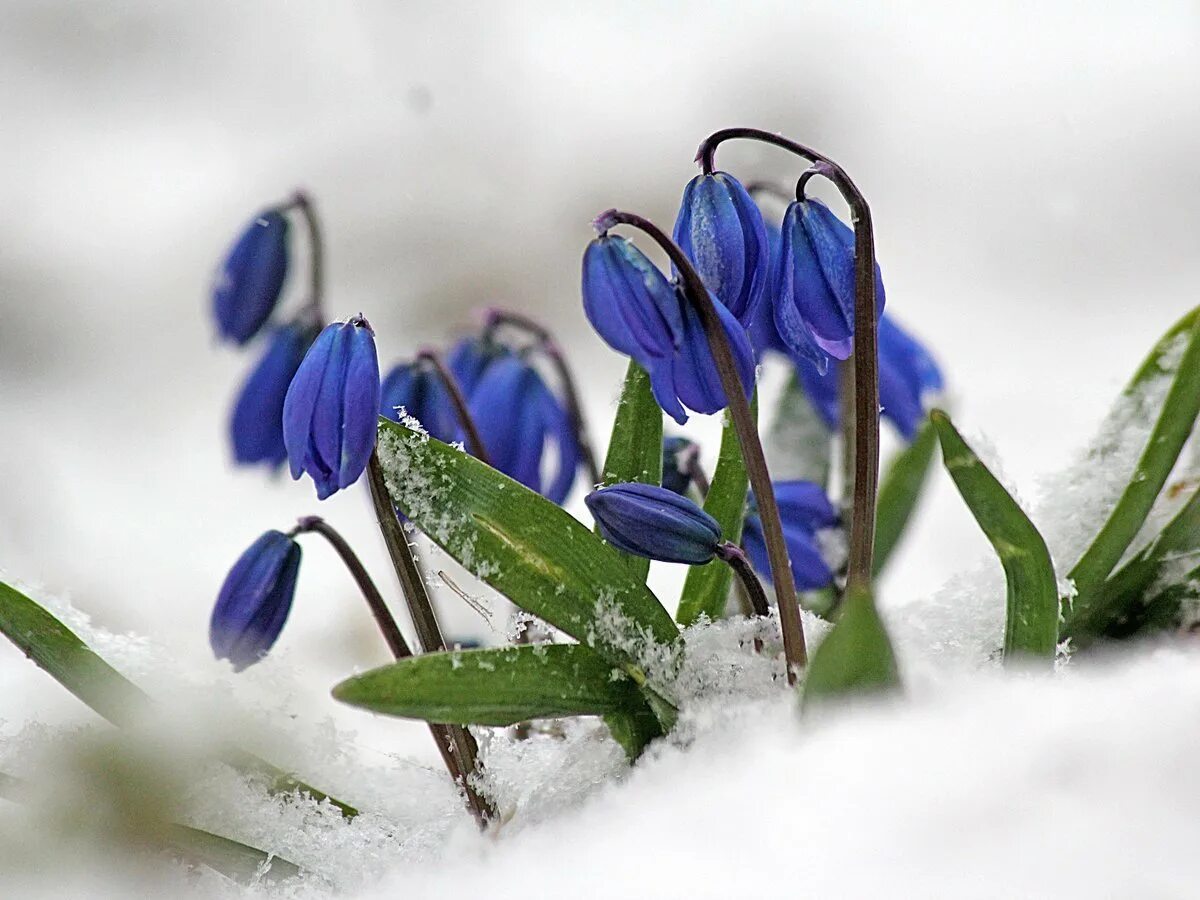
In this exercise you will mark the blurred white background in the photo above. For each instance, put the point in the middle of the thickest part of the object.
(1031, 168)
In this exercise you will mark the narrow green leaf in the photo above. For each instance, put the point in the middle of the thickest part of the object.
(69, 661)
(531, 550)
(899, 492)
(856, 656)
(798, 443)
(495, 686)
(1171, 431)
(1157, 361)
(635, 448)
(633, 730)
(706, 588)
(1031, 624)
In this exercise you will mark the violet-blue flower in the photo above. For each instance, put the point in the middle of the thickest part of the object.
(255, 600)
(256, 426)
(422, 394)
(248, 284)
(654, 522)
(330, 415)
(721, 231)
(804, 509)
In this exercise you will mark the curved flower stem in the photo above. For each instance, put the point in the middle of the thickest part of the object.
(460, 741)
(465, 419)
(316, 255)
(383, 617)
(865, 472)
(794, 651)
(549, 346)
(695, 471)
(736, 557)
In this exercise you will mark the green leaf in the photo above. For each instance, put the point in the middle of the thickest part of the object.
(69, 661)
(1031, 623)
(532, 551)
(899, 492)
(798, 443)
(1171, 431)
(1158, 361)
(856, 656)
(706, 588)
(635, 448)
(506, 685)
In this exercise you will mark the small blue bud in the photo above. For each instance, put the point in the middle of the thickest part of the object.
(518, 419)
(256, 426)
(803, 511)
(814, 299)
(721, 231)
(676, 474)
(331, 413)
(422, 394)
(255, 600)
(629, 301)
(248, 285)
(654, 522)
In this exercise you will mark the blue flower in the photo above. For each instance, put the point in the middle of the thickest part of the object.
(814, 297)
(330, 415)
(803, 510)
(255, 600)
(423, 395)
(468, 359)
(676, 475)
(256, 426)
(518, 418)
(654, 522)
(248, 285)
(721, 231)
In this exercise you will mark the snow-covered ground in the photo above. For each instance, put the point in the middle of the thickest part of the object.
(1031, 172)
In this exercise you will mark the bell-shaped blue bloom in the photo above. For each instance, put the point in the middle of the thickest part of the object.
(803, 511)
(421, 393)
(629, 301)
(721, 231)
(676, 473)
(468, 359)
(256, 426)
(519, 419)
(763, 333)
(814, 297)
(331, 413)
(654, 522)
(255, 600)
(248, 284)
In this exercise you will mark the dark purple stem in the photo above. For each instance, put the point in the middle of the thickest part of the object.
(794, 650)
(735, 556)
(316, 256)
(465, 419)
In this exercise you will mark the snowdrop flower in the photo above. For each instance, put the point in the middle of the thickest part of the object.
(423, 395)
(255, 600)
(654, 522)
(330, 414)
(721, 231)
(256, 426)
(251, 277)
(804, 510)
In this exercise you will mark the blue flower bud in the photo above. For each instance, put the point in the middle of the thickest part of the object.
(248, 285)
(255, 600)
(721, 230)
(256, 426)
(422, 394)
(803, 511)
(814, 300)
(518, 419)
(654, 522)
(331, 413)
(676, 474)
(629, 301)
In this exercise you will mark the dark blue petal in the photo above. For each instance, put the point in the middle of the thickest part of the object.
(301, 400)
(251, 278)
(804, 505)
(628, 300)
(763, 333)
(255, 599)
(721, 231)
(651, 521)
(833, 241)
(256, 426)
(695, 372)
(809, 309)
(909, 355)
(420, 392)
(360, 404)
(662, 385)
(559, 428)
(511, 425)
(809, 570)
(468, 359)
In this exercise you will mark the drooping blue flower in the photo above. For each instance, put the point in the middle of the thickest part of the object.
(814, 298)
(255, 600)
(803, 511)
(721, 231)
(248, 284)
(330, 415)
(256, 426)
(654, 522)
(421, 393)
(468, 359)
(519, 419)
(676, 473)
